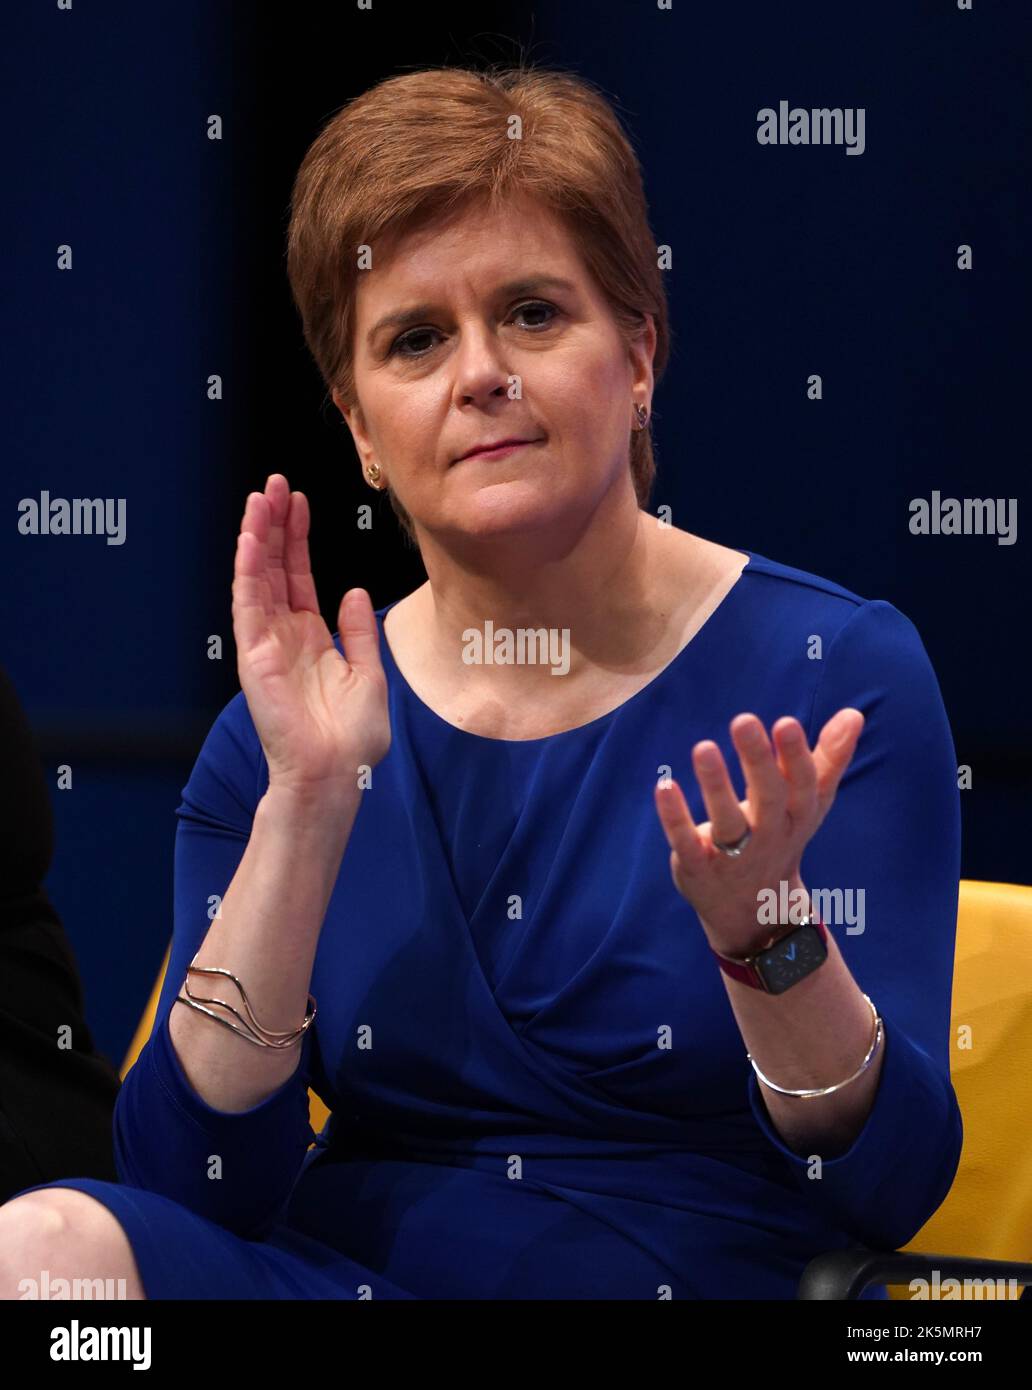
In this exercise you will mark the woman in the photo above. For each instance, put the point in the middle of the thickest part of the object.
(577, 1031)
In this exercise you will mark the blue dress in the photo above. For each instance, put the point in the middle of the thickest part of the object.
(537, 1083)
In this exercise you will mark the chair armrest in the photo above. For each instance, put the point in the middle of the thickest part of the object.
(844, 1274)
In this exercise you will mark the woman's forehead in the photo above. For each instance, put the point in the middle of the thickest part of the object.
(513, 228)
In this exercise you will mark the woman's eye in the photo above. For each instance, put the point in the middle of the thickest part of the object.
(534, 306)
(414, 334)
(407, 338)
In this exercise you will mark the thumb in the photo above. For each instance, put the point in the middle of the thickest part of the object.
(836, 746)
(359, 632)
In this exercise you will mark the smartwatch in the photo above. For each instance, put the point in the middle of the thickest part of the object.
(782, 962)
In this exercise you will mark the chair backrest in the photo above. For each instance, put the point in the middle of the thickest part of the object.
(988, 1211)
(317, 1112)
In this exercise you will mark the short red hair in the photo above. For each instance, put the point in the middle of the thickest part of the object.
(422, 145)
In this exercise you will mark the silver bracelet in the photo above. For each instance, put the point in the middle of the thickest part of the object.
(255, 1033)
(258, 1042)
(827, 1090)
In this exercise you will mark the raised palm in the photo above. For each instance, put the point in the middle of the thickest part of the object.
(321, 717)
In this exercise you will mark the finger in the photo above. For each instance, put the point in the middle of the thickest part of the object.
(252, 603)
(256, 521)
(296, 561)
(359, 632)
(835, 748)
(277, 493)
(797, 766)
(764, 785)
(728, 821)
(688, 850)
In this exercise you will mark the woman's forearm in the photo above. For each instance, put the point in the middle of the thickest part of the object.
(815, 1034)
(266, 934)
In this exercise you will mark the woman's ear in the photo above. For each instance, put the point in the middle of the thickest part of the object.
(352, 418)
(642, 350)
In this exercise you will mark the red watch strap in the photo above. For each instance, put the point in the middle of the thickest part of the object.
(746, 972)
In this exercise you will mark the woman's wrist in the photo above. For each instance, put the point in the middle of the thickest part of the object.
(314, 807)
(315, 824)
(757, 929)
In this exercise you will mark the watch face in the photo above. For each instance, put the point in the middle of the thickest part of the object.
(791, 959)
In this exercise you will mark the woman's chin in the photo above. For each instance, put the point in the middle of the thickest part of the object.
(497, 508)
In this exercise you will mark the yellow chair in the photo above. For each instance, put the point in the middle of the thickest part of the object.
(984, 1227)
(985, 1224)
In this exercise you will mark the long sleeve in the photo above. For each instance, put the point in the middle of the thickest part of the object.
(55, 1101)
(891, 845)
(166, 1136)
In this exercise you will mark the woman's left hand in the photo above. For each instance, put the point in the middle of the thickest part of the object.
(789, 791)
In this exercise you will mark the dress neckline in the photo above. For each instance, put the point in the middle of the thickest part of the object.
(578, 729)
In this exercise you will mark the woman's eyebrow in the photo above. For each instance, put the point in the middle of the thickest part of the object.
(402, 318)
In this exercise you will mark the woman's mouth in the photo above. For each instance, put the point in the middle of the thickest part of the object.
(499, 451)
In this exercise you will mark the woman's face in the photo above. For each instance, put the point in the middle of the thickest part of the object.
(492, 347)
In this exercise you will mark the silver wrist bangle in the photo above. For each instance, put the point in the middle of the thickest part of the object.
(242, 1032)
(253, 1030)
(879, 1032)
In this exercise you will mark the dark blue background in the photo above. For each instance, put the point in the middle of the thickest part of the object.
(786, 261)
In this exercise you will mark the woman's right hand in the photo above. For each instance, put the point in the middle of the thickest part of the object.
(320, 716)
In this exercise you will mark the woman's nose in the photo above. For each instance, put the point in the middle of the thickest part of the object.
(480, 353)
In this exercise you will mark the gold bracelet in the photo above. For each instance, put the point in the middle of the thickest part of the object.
(827, 1090)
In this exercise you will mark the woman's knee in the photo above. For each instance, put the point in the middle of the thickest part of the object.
(62, 1233)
